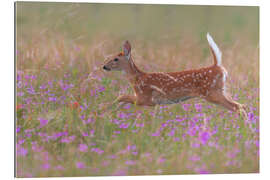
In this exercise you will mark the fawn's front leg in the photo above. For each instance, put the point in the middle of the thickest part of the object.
(123, 99)
(127, 99)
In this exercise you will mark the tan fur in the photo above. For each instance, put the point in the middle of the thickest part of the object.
(172, 87)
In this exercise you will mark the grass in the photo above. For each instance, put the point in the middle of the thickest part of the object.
(60, 48)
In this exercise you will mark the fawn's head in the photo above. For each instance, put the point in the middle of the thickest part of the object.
(120, 61)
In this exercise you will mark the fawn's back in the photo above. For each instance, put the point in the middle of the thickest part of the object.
(173, 87)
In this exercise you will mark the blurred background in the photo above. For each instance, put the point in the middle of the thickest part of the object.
(83, 21)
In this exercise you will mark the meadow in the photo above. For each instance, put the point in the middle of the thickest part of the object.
(61, 90)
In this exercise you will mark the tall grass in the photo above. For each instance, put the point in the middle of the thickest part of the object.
(60, 88)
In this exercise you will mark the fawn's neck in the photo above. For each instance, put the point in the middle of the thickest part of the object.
(132, 71)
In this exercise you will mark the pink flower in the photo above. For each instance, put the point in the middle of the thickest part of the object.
(18, 129)
(124, 125)
(198, 107)
(171, 133)
(186, 107)
(156, 134)
(195, 145)
(59, 167)
(21, 151)
(97, 150)
(83, 147)
(112, 156)
(67, 139)
(35, 147)
(194, 158)
(80, 165)
(130, 162)
(131, 147)
(42, 122)
(161, 160)
(46, 166)
(84, 134)
(204, 137)
(92, 132)
(139, 125)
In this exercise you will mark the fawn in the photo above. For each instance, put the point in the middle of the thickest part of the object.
(173, 87)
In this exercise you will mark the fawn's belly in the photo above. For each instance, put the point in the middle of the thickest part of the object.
(170, 101)
(158, 98)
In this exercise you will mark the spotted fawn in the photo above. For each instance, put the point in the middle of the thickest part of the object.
(157, 88)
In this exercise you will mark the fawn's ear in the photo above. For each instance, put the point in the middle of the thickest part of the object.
(127, 49)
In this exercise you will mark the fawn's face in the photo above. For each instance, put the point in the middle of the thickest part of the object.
(121, 61)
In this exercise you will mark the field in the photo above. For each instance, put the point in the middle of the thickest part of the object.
(61, 90)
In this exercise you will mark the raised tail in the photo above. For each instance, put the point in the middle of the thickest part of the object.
(215, 50)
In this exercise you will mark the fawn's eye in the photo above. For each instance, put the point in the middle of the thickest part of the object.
(115, 59)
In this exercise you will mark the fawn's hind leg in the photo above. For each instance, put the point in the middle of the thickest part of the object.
(223, 99)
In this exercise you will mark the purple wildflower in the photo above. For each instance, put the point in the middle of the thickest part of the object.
(195, 145)
(171, 133)
(84, 134)
(97, 150)
(203, 171)
(139, 125)
(83, 147)
(59, 134)
(124, 125)
(52, 99)
(101, 89)
(20, 93)
(92, 132)
(31, 90)
(130, 162)
(204, 137)
(186, 107)
(67, 139)
(127, 106)
(194, 158)
(198, 107)
(122, 115)
(257, 143)
(35, 147)
(89, 120)
(21, 141)
(161, 160)
(116, 132)
(112, 156)
(43, 86)
(80, 165)
(21, 151)
(18, 129)
(46, 166)
(131, 147)
(43, 122)
(59, 167)
(156, 134)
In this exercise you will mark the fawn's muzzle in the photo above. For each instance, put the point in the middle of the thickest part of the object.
(106, 68)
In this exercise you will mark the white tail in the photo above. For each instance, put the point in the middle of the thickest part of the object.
(215, 50)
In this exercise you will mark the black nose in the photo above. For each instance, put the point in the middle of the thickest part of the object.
(107, 69)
